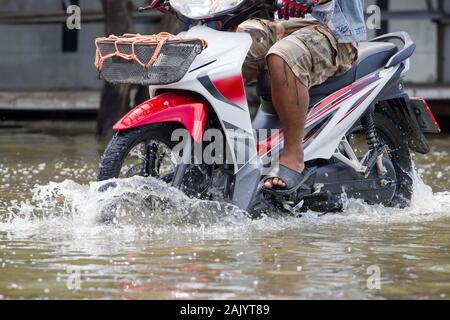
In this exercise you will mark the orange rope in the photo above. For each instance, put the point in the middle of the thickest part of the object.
(157, 40)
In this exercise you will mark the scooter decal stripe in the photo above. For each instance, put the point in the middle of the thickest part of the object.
(325, 121)
(318, 127)
(330, 100)
(232, 88)
(273, 144)
(208, 85)
(328, 110)
(206, 64)
(319, 130)
(354, 89)
(334, 102)
(359, 86)
(336, 99)
(266, 145)
(351, 89)
(357, 105)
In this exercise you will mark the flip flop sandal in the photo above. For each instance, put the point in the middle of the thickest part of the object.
(293, 180)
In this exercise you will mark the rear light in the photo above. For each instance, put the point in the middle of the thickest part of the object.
(425, 118)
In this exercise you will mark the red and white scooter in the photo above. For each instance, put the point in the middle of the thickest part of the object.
(359, 132)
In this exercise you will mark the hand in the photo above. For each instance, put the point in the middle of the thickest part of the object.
(151, 6)
(294, 8)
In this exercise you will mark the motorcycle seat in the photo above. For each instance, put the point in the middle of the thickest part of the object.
(371, 56)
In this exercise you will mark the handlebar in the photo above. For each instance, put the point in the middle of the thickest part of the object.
(230, 19)
(154, 5)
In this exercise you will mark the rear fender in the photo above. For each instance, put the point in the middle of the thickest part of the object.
(188, 110)
(400, 110)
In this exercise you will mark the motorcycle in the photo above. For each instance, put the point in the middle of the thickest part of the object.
(359, 130)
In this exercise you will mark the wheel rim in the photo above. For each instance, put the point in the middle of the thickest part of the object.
(149, 158)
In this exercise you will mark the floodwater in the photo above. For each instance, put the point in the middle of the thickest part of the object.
(166, 246)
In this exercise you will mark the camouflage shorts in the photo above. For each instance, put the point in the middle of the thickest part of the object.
(308, 47)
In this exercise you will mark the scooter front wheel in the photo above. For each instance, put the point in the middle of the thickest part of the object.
(144, 151)
(149, 152)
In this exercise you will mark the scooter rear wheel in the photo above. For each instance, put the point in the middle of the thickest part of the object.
(390, 133)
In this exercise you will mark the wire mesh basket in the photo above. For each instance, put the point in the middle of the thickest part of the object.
(146, 60)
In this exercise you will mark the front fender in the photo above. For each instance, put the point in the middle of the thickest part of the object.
(190, 111)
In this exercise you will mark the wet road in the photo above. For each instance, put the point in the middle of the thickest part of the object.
(166, 246)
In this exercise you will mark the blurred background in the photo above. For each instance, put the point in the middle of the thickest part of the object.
(47, 71)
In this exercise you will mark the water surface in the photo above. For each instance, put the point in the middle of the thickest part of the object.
(165, 246)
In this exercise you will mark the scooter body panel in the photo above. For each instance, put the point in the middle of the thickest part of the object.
(191, 112)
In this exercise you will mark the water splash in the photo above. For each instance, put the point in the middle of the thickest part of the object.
(153, 208)
(140, 203)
